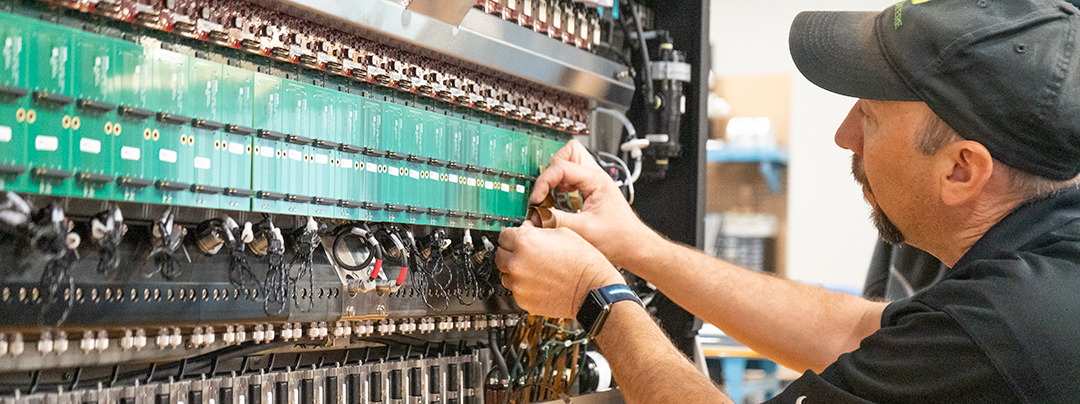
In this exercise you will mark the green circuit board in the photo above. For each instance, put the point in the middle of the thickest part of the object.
(95, 116)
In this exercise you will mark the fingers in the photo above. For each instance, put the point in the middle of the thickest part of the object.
(566, 219)
(581, 166)
(508, 238)
(502, 259)
(575, 152)
(568, 175)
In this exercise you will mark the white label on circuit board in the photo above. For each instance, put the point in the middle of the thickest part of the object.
(236, 148)
(489, 184)
(415, 174)
(266, 151)
(296, 155)
(88, 145)
(130, 153)
(373, 168)
(5, 133)
(394, 171)
(322, 159)
(505, 187)
(521, 189)
(433, 175)
(453, 178)
(46, 143)
(166, 155)
(346, 163)
(202, 163)
(470, 182)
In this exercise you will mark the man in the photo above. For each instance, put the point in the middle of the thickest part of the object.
(966, 139)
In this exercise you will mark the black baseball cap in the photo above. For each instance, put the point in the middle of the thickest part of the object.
(1004, 73)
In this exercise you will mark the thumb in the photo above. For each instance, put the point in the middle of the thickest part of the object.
(566, 219)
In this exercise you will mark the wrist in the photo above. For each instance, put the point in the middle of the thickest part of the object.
(639, 249)
(598, 304)
(598, 280)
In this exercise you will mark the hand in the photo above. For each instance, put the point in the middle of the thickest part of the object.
(606, 219)
(551, 270)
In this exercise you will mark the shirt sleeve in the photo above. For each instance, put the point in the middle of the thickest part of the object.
(919, 355)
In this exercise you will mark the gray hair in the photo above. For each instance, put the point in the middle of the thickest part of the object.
(935, 134)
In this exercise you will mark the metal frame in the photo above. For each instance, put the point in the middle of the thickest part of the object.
(675, 207)
(481, 39)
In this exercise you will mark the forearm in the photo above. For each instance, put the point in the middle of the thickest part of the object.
(646, 365)
(797, 325)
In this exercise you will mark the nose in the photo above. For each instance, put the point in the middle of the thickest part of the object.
(850, 133)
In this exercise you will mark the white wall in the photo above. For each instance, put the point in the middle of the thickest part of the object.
(830, 236)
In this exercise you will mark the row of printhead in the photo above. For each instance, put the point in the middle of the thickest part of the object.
(91, 116)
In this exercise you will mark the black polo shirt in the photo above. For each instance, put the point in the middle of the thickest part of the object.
(1003, 326)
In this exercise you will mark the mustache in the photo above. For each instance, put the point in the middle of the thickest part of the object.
(858, 173)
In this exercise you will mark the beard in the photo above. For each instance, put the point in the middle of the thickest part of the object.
(885, 227)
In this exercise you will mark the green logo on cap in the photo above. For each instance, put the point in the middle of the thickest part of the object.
(897, 14)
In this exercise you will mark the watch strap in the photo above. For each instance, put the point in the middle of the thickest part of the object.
(617, 293)
(594, 310)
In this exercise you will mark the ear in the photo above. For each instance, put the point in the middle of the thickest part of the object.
(964, 169)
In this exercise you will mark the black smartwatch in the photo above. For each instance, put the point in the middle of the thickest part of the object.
(597, 305)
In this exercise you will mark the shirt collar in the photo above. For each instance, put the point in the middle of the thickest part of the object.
(1025, 223)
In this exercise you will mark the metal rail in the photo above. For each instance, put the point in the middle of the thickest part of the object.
(481, 39)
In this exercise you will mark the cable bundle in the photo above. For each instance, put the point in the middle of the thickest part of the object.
(50, 237)
(307, 240)
(168, 240)
(240, 273)
(276, 286)
(539, 362)
(107, 228)
(429, 267)
(466, 283)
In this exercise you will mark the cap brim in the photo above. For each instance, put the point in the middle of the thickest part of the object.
(838, 51)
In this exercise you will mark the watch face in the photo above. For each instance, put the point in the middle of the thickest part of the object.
(590, 311)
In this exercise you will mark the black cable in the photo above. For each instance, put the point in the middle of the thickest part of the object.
(56, 281)
(307, 240)
(75, 379)
(114, 375)
(304, 270)
(109, 259)
(468, 285)
(213, 367)
(646, 68)
(150, 373)
(276, 285)
(240, 273)
(34, 382)
(180, 369)
(49, 233)
(428, 266)
(497, 355)
(485, 269)
(436, 266)
(165, 252)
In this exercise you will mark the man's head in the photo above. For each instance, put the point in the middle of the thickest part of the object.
(1004, 74)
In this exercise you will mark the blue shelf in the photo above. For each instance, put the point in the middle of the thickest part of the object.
(770, 160)
(774, 155)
